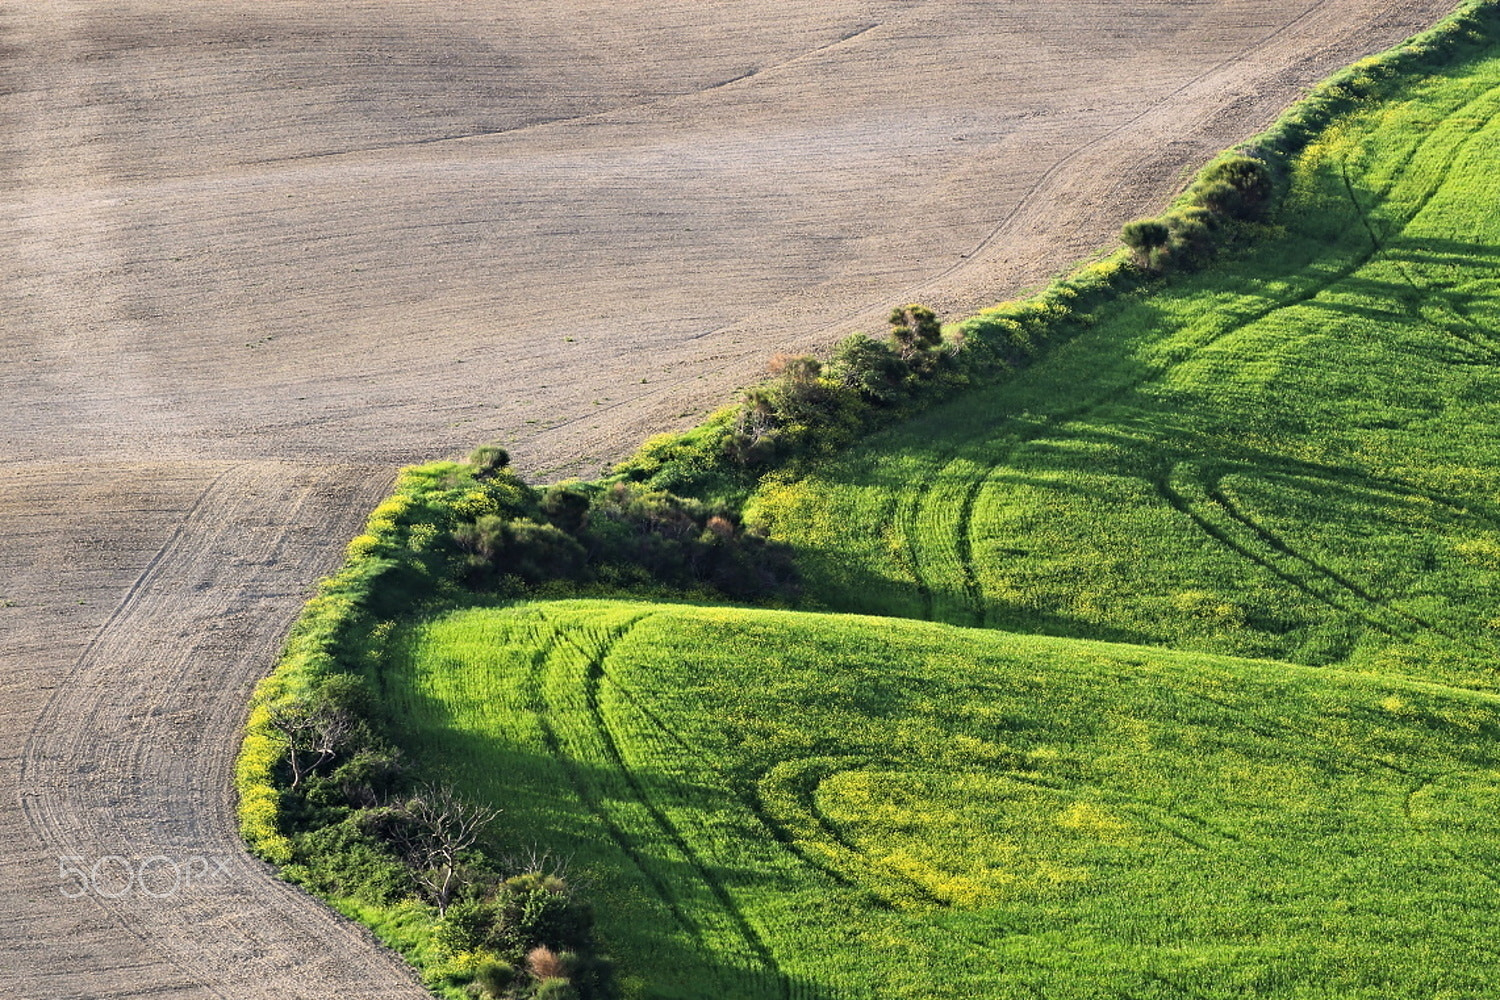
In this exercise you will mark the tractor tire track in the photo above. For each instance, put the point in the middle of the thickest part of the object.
(749, 798)
(592, 677)
(1154, 373)
(90, 786)
(586, 794)
(1213, 490)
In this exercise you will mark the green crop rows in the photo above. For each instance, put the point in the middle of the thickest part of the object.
(1249, 519)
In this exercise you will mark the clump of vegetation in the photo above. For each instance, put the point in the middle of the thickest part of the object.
(1230, 192)
(618, 534)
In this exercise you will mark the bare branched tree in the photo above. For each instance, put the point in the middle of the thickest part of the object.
(312, 734)
(440, 826)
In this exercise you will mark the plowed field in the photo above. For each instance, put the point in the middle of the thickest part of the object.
(254, 255)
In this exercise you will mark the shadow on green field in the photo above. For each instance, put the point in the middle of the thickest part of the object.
(658, 898)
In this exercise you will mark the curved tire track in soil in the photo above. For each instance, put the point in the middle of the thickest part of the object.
(242, 281)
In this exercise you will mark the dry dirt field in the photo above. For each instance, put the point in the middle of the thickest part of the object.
(255, 254)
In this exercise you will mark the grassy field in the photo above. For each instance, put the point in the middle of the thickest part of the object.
(775, 804)
(1295, 455)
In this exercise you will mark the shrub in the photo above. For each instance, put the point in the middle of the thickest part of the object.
(1238, 187)
(539, 552)
(347, 860)
(544, 963)
(465, 925)
(1191, 242)
(488, 459)
(914, 329)
(868, 368)
(1146, 238)
(556, 988)
(495, 978)
(566, 505)
(535, 910)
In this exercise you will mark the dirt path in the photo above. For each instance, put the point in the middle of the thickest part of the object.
(258, 254)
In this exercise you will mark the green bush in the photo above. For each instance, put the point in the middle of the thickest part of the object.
(465, 925)
(1237, 186)
(556, 988)
(488, 460)
(496, 978)
(1147, 239)
(867, 368)
(538, 910)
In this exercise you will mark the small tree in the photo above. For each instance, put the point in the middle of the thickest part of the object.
(914, 329)
(796, 394)
(867, 367)
(753, 437)
(1146, 238)
(439, 827)
(318, 729)
(1238, 187)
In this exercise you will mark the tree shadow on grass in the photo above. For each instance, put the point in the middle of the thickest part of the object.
(673, 924)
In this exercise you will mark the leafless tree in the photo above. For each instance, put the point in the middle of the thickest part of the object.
(312, 734)
(439, 827)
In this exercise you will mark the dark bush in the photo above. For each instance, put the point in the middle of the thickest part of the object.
(484, 538)
(540, 552)
(556, 988)
(1238, 187)
(566, 505)
(1146, 238)
(868, 368)
(539, 910)
(368, 776)
(1191, 243)
(914, 329)
(488, 459)
(496, 978)
(465, 925)
(347, 860)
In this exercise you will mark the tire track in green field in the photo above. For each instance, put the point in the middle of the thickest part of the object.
(1178, 502)
(964, 544)
(1479, 339)
(594, 672)
(1153, 814)
(537, 701)
(749, 800)
(1485, 343)
(1213, 489)
(1050, 425)
(963, 540)
(804, 794)
(905, 517)
(1356, 264)
(1400, 169)
(1429, 782)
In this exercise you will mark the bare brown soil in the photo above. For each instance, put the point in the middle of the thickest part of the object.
(256, 254)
